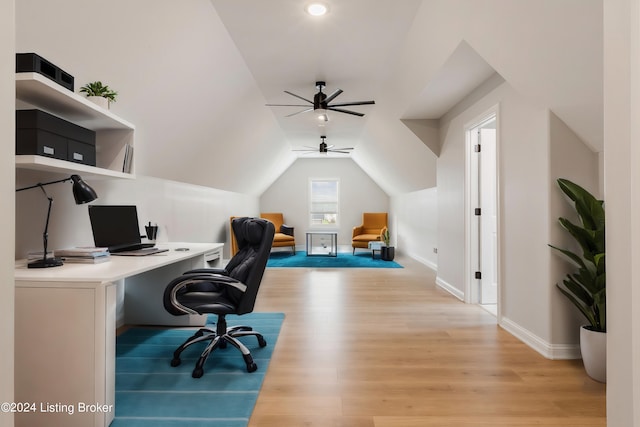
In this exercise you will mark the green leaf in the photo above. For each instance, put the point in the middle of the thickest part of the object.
(579, 291)
(586, 287)
(580, 307)
(583, 237)
(572, 256)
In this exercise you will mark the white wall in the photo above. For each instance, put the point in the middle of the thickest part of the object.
(621, 160)
(415, 216)
(180, 81)
(358, 194)
(570, 158)
(393, 156)
(7, 191)
(183, 212)
(560, 67)
(524, 207)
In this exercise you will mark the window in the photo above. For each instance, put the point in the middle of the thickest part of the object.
(323, 196)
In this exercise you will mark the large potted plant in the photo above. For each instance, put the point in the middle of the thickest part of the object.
(586, 287)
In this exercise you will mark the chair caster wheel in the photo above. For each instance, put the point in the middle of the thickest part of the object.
(175, 362)
(252, 367)
(197, 373)
(262, 342)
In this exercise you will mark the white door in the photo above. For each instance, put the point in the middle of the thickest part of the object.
(488, 217)
(483, 224)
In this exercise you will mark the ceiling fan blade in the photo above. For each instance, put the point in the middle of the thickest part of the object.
(285, 105)
(298, 96)
(338, 151)
(343, 148)
(346, 104)
(331, 97)
(300, 112)
(306, 148)
(345, 111)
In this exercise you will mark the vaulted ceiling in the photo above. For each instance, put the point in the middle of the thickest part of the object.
(417, 59)
(195, 77)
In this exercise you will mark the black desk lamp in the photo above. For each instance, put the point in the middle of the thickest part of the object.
(81, 192)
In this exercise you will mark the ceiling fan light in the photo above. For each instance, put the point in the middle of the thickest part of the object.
(316, 9)
(322, 114)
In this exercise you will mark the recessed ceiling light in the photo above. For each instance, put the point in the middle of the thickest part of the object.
(317, 9)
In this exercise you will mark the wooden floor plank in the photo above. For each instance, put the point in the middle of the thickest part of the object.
(387, 348)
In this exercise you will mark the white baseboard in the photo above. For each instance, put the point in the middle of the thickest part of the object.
(449, 288)
(426, 262)
(546, 349)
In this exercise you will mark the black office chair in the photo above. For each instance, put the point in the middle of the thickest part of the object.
(231, 290)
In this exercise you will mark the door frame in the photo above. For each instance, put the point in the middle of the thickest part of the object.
(471, 297)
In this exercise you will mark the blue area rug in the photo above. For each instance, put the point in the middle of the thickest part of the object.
(344, 259)
(149, 392)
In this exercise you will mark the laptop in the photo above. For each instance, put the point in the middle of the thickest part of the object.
(116, 227)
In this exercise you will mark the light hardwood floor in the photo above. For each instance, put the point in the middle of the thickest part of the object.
(387, 348)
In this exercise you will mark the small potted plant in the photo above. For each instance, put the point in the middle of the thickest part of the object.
(387, 252)
(586, 286)
(99, 93)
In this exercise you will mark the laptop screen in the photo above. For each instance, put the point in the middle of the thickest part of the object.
(114, 225)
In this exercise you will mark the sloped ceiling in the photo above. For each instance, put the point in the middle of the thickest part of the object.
(195, 76)
(287, 49)
(418, 59)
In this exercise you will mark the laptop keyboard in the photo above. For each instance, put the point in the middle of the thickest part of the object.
(141, 252)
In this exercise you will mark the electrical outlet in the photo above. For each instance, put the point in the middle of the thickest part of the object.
(435, 250)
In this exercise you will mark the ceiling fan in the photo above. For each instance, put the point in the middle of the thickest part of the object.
(321, 103)
(324, 148)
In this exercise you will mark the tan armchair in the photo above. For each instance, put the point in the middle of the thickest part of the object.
(284, 234)
(371, 229)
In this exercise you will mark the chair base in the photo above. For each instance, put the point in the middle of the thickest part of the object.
(219, 339)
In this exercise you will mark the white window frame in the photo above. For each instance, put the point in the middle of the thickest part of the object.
(310, 205)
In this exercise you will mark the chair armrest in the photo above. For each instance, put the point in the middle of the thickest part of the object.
(285, 229)
(220, 271)
(357, 230)
(193, 280)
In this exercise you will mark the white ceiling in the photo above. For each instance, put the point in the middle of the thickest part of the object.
(350, 48)
(218, 62)
(464, 71)
(358, 45)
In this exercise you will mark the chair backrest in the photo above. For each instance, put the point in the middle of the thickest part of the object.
(374, 221)
(275, 217)
(232, 238)
(254, 238)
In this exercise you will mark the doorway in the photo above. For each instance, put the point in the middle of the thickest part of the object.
(482, 213)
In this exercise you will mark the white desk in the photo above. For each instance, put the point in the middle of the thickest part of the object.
(65, 328)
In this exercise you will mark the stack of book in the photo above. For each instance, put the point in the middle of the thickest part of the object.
(88, 255)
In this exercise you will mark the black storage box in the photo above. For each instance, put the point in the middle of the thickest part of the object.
(33, 63)
(43, 134)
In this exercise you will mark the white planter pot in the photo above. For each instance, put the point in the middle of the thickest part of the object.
(593, 346)
(99, 100)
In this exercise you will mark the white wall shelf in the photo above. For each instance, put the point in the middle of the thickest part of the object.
(47, 164)
(43, 93)
(112, 132)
